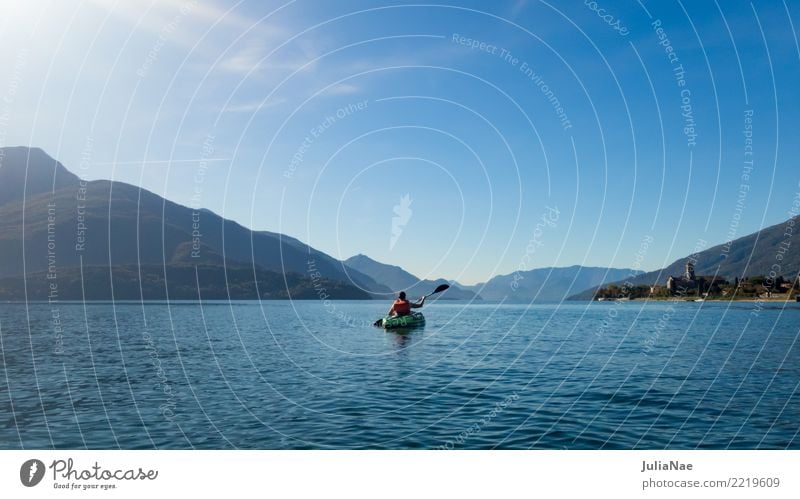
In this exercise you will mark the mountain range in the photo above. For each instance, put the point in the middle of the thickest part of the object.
(398, 280)
(51, 220)
(103, 239)
(548, 284)
(759, 253)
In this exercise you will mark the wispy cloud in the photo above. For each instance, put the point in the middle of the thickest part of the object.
(165, 11)
(343, 89)
(258, 57)
(184, 19)
(518, 7)
(253, 106)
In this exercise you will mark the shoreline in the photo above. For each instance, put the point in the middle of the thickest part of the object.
(719, 300)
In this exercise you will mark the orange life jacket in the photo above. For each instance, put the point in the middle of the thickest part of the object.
(402, 307)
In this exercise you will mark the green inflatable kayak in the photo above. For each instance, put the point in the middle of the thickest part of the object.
(416, 319)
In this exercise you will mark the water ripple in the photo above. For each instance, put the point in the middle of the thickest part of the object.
(476, 377)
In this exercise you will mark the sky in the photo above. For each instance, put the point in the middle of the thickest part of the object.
(462, 139)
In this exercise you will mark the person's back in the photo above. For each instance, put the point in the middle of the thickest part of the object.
(401, 306)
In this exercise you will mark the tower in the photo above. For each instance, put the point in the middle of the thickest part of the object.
(689, 275)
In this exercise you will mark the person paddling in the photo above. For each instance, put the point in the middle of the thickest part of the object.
(401, 306)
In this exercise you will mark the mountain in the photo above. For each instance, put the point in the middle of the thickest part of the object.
(65, 222)
(398, 280)
(548, 284)
(27, 171)
(175, 281)
(754, 254)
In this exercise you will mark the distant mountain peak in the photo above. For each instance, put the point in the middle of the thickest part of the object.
(29, 171)
(364, 259)
(548, 283)
(398, 279)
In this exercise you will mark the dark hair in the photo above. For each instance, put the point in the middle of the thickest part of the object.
(402, 295)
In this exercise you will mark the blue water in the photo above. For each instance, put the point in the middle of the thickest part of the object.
(302, 375)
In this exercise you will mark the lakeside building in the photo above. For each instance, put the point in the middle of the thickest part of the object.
(683, 284)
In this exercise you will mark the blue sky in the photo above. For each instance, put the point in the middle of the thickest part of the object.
(209, 102)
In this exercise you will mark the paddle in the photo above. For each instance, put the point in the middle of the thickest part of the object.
(439, 289)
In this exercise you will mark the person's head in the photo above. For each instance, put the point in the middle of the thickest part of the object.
(402, 295)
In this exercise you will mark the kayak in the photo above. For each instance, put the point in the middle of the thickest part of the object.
(414, 320)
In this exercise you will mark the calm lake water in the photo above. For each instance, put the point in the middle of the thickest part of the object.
(301, 375)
